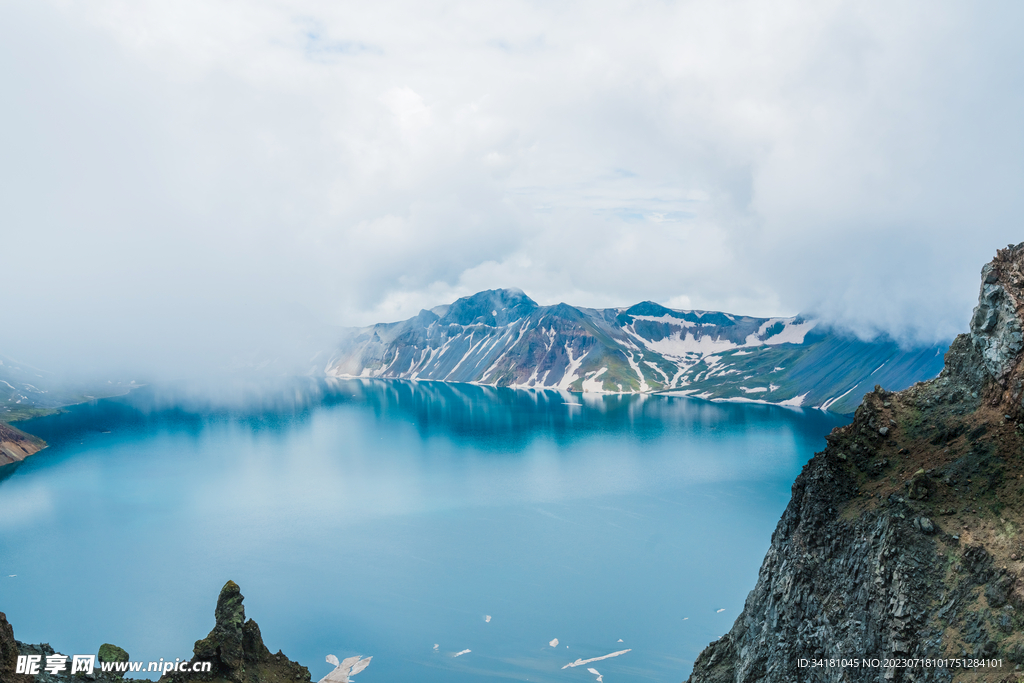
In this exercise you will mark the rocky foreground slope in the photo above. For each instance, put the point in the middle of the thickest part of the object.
(234, 650)
(903, 539)
(503, 338)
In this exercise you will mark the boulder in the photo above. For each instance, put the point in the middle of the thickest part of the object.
(112, 653)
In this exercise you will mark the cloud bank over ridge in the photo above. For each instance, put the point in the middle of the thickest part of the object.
(180, 177)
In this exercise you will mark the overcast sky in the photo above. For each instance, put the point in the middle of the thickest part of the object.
(175, 175)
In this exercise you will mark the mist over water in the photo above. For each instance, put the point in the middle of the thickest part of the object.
(380, 518)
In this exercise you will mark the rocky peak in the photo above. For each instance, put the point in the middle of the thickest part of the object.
(230, 613)
(996, 324)
(493, 307)
(997, 331)
(236, 651)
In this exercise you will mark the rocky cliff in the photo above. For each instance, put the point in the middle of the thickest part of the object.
(503, 338)
(16, 445)
(9, 652)
(903, 538)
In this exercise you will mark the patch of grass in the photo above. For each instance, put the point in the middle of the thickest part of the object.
(18, 413)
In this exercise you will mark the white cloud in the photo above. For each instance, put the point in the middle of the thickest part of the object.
(172, 171)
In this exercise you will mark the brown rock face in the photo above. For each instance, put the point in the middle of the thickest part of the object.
(16, 445)
(9, 654)
(904, 539)
(236, 651)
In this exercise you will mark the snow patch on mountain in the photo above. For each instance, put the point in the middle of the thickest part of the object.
(679, 345)
(593, 382)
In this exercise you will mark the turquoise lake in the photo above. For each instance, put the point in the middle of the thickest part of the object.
(384, 518)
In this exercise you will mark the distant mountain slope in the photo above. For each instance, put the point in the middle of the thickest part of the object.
(27, 391)
(502, 337)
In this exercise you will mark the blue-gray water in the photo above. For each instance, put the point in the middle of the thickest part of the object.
(382, 518)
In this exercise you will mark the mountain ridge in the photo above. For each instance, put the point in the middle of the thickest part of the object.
(504, 338)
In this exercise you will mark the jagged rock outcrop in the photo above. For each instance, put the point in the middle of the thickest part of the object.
(995, 326)
(16, 445)
(236, 651)
(9, 652)
(902, 539)
(10, 649)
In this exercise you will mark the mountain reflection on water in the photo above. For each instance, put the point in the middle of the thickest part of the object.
(383, 517)
(509, 420)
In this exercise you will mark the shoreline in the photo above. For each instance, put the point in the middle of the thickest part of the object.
(16, 445)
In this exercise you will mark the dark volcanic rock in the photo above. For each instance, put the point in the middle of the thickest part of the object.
(858, 568)
(236, 651)
(10, 649)
(112, 653)
(9, 652)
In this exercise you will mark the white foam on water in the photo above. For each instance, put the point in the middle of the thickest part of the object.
(581, 662)
(345, 669)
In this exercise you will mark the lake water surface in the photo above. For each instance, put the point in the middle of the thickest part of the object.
(384, 518)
